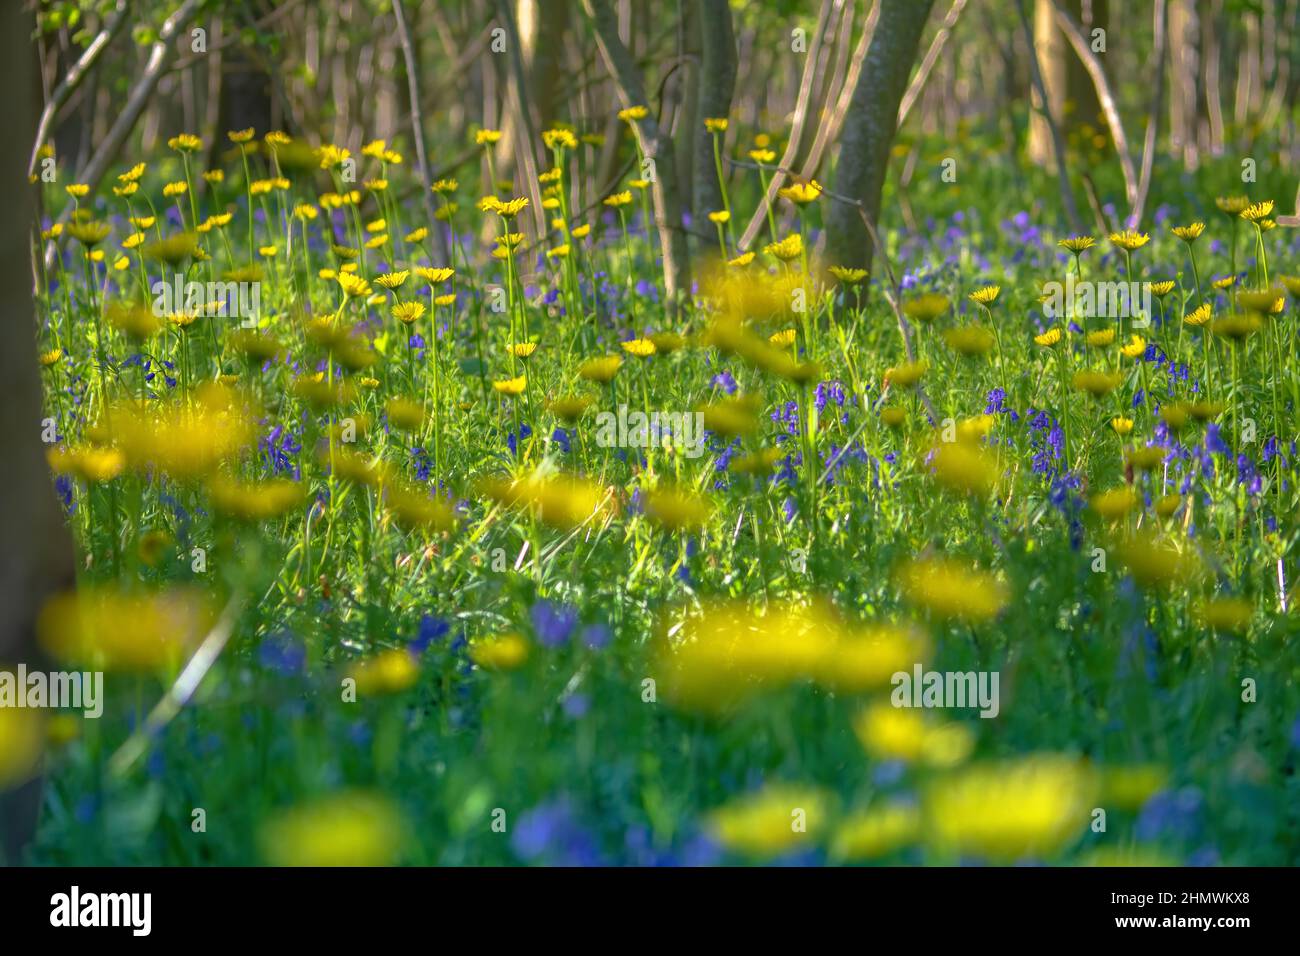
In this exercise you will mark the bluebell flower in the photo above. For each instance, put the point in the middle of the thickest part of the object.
(553, 624)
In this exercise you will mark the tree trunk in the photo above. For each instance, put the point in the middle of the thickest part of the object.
(869, 126)
(35, 548)
(1071, 96)
(717, 86)
(655, 145)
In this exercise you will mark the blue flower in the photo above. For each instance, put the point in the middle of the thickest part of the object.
(553, 624)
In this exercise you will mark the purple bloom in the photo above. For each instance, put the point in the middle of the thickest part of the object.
(553, 624)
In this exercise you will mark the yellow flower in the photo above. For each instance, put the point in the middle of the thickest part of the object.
(570, 408)
(721, 217)
(677, 510)
(1033, 807)
(1266, 301)
(241, 136)
(433, 276)
(1189, 233)
(559, 252)
(1231, 615)
(561, 501)
(393, 280)
(404, 414)
(408, 312)
(949, 588)
(1232, 205)
(511, 386)
(963, 467)
(1136, 347)
(633, 114)
(1257, 211)
(763, 157)
(51, 357)
(389, 672)
(330, 156)
(907, 374)
(801, 193)
(877, 833)
(78, 190)
(773, 821)
(848, 276)
(791, 247)
(1122, 426)
(985, 295)
(250, 501)
(522, 350)
(1077, 244)
(353, 286)
(1236, 327)
(1116, 503)
(89, 234)
(732, 417)
(887, 732)
(346, 829)
(1199, 316)
(503, 653)
(744, 259)
(1162, 288)
(602, 369)
(22, 743)
(89, 463)
(783, 339)
(1049, 338)
(119, 630)
(1154, 564)
(185, 143)
(178, 188)
(133, 174)
(970, 340)
(559, 139)
(716, 124)
(641, 348)
(926, 307)
(1130, 240)
(445, 186)
(1096, 383)
(511, 208)
(618, 199)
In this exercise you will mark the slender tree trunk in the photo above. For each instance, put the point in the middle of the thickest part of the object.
(717, 86)
(656, 146)
(35, 548)
(869, 126)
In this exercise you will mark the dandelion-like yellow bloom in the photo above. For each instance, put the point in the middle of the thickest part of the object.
(1121, 426)
(641, 348)
(1198, 316)
(907, 374)
(926, 307)
(1050, 338)
(846, 275)
(1232, 206)
(677, 510)
(393, 280)
(255, 501)
(801, 194)
(970, 340)
(1257, 211)
(1115, 504)
(1130, 240)
(502, 653)
(346, 829)
(1096, 383)
(633, 114)
(1189, 233)
(1077, 244)
(602, 369)
(986, 295)
(1135, 348)
(791, 247)
(562, 501)
(951, 589)
(185, 143)
(22, 743)
(783, 339)
(618, 199)
(120, 630)
(1005, 812)
(774, 821)
(877, 833)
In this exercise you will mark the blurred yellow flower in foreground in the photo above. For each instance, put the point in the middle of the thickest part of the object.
(119, 630)
(185, 440)
(777, 819)
(255, 501)
(22, 737)
(502, 653)
(347, 829)
(389, 672)
(1033, 807)
(895, 733)
(728, 653)
(877, 832)
(950, 588)
(561, 501)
